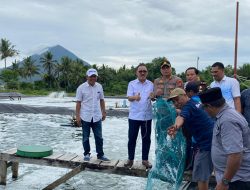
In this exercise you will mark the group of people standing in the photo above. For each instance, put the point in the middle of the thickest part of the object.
(211, 120)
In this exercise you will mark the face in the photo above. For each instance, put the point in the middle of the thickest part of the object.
(217, 73)
(166, 71)
(92, 79)
(142, 73)
(179, 101)
(191, 75)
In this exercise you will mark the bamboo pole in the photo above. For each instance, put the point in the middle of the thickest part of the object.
(236, 41)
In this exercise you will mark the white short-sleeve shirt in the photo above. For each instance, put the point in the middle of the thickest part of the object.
(90, 97)
(230, 89)
(140, 110)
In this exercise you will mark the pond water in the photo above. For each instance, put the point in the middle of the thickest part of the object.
(47, 129)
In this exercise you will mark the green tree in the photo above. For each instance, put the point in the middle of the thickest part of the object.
(65, 70)
(29, 69)
(48, 65)
(7, 50)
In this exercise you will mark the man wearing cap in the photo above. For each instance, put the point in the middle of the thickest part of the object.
(230, 87)
(192, 90)
(167, 82)
(140, 115)
(230, 144)
(197, 122)
(90, 112)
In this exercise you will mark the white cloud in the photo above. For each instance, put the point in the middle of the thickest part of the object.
(128, 32)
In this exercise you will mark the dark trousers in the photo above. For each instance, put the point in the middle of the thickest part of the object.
(97, 130)
(239, 185)
(134, 126)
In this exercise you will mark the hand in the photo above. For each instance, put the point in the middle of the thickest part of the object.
(138, 97)
(103, 115)
(78, 121)
(152, 95)
(171, 131)
(221, 186)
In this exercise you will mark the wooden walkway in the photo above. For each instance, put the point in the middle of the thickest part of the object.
(73, 161)
(11, 95)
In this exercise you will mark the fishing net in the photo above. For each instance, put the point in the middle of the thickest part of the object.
(168, 167)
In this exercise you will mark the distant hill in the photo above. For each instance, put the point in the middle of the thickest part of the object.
(58, 52)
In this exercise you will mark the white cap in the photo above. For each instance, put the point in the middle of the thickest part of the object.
(91, 72)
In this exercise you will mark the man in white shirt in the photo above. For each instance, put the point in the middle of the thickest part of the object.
(140, 114)
(90, 112)
(230, 87)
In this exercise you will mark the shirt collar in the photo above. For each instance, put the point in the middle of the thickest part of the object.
(145, 82)
(226, 106)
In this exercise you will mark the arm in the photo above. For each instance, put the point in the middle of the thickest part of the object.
(237, 104)
(179, 121)
(232, 166)
(78, 118)
(102, 103)
(133, 98)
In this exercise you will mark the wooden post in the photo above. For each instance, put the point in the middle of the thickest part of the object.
(64, 178)
(3, 172)
(14, 169)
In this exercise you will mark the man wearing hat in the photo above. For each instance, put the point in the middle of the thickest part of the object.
(167, 82)
(230, 144)
(90, 112)
(197, 122)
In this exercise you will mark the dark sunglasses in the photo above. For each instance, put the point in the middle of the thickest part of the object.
(142, 71)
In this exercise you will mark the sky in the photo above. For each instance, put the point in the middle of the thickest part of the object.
(128, 32)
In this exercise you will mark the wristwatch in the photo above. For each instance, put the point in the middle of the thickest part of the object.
(225, 181)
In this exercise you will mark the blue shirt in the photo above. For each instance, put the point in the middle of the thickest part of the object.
(198, 123)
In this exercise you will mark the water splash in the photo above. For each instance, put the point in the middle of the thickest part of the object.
(60, 94)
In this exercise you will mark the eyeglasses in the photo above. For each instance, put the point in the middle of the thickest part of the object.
(165, 67)
(142, 71)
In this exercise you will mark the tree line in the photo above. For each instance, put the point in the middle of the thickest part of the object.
(68, 74)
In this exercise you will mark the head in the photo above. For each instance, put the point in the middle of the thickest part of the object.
(212, 101)
(91, 76)
(192, 74)
(179, 97)
(141, 72)
(217, 71)
(166, 69)
(192, 88)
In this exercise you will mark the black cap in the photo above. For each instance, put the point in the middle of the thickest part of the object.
(192, 86)
(211, 95)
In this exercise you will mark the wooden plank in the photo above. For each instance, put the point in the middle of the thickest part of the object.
(3, 172)
(64, 178)
(10, 151)
(14, 169)
(38, 161)
(108, 165)
(93, 163)
(67, 157)
(54, 156)
(78, 159)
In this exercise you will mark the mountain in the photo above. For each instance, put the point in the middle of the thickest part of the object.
(57, 51)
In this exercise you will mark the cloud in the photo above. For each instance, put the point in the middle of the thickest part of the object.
(128, 32)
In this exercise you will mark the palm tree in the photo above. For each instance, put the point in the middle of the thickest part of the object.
(29, 69)
(7, 50)
(49, 65)
(65, 70)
